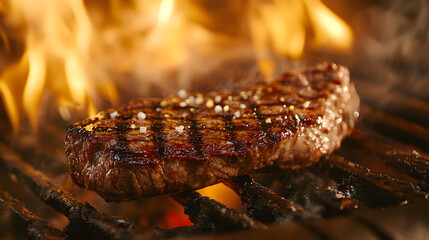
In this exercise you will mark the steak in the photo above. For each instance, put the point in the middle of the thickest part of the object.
(188, 141)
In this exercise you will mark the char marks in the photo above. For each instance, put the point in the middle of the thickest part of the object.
(158, 131)
(121, 150)
(229, 127)
(265, 128)
(196, 137)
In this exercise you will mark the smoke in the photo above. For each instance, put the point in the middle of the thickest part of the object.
(400, 31)
(391, 46)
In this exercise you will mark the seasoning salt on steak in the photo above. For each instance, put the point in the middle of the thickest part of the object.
(153, 146)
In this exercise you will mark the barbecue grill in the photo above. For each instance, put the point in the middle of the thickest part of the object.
(376, 186)
(373, 187)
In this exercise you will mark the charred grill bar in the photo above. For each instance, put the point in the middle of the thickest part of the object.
(33, 226)
(84, 220)
(414, 165)
(400, 116)
(211, 216)
(265, 205)
(374, 189)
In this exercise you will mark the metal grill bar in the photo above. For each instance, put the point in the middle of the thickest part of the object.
(318, 193)
(398, 128)
(371, 225)
(265, 205)
(335, 203)
(34, 227)
(358, 145)
(37, 150)
(84, 220)
(394, 102)
(211, 216)
(372, 189)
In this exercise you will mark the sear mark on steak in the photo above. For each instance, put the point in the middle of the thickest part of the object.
(154, 146)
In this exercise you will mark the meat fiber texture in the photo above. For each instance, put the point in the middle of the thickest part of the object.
(188, 141)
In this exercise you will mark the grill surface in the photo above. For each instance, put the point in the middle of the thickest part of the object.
(375, 187)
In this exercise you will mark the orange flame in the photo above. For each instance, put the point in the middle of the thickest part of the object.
(222, 194)
(57, 40)
(329, 29)
(73, 48)
(280, 26)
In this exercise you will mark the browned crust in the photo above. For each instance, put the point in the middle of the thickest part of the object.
(117, 173)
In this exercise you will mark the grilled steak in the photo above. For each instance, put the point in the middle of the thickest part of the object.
(154, 146)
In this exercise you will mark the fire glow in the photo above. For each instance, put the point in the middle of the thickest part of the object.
(71, 51)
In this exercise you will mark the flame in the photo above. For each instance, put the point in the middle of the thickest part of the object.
(11, 107)
(222, 194)
(281, 26)
(57, 41)
(35, 83)
(79, 52)
(330, 30)
(165, 10)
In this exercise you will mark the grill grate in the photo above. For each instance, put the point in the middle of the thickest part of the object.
(369, 171)
(370, 188)
(84, 220)
(211, 216)
(33, 226)
(265, 205)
